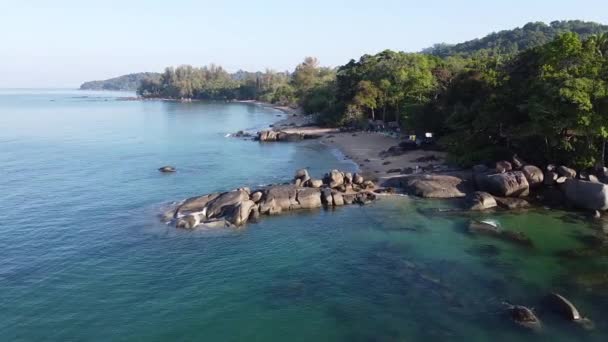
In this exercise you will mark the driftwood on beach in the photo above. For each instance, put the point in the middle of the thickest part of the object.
(239, 206)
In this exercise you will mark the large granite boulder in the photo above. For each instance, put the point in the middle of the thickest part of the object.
(337, 198)
(225, 203)
(586, 195)
(239, 214)
(508, 184)
(480, 200)
(334, 178)
(326, 197)
(428, 186)
(534, 175)
(195, 204)
(309, 198)
(278, 198)
(315, 183)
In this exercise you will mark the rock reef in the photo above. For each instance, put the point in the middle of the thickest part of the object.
(239, 206)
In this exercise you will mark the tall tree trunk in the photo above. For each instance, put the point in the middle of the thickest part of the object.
(373, 114)
(384, 114)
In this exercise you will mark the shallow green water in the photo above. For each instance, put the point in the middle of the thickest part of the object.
(85, 258)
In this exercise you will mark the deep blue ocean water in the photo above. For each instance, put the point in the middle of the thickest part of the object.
(84, 257)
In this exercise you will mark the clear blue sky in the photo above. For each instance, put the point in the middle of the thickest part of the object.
(61, 43)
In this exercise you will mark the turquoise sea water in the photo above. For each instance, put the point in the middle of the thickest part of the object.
(83, 256)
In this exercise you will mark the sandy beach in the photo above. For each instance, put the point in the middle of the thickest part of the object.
(367, 149)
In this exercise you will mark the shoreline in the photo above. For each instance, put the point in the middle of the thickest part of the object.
(285, 109)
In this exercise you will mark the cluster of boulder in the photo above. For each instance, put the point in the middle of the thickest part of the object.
(271, 136)
(237, 207)
(509, 182)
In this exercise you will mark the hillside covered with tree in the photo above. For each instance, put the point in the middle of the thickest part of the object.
(128, 82)
(548, 103)
(519, 39)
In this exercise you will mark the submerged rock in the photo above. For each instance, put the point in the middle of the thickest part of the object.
(491, 229)
(564, 307)
(524, 317)
(484, 227)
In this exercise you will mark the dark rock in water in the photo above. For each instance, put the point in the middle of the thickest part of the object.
(242, 134)
(167, 169)
(491, 229)
(516, 237)
(386, 163)
(485, 250)
(484, 227)
(512, 203)
(564, 307)
(394, 171)
(524, 317)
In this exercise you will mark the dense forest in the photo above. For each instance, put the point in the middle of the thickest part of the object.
(522, 38)
(130, 82)
(548, 102)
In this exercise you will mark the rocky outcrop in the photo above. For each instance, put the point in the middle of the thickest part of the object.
(281, 136)
(237, 207)
(585, 194)
(429, 186)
